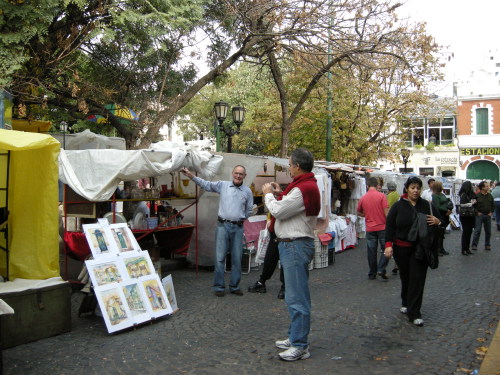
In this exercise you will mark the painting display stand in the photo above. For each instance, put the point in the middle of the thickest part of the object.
(128, 289)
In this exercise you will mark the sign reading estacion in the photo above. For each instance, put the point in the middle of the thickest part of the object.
(471, 151)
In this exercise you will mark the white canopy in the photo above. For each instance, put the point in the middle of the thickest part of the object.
(95, 174)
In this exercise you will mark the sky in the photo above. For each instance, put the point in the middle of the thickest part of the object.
(469, 29)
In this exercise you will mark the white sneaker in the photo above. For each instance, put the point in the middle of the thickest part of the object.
(418, 322)
(403, 310)
(294, 354)
(283, 344)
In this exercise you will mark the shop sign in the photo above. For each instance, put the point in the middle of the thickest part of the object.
(471, 151)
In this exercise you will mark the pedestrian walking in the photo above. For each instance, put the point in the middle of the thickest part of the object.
(484, 211)
(445, 206)
(467, 215)
(296, 211)
(373, 207)
(393, 195)
(495, 193)
(236, 203)
(427, 193)
(412, 271)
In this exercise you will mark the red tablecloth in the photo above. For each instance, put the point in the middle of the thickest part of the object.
(76, 245)
(172, 240)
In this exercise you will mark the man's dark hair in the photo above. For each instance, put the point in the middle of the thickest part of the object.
(372, 182)
(303, 158)
(412, 180)
(481, 184)
(430, 180)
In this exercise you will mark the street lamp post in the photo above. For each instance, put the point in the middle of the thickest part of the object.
(63, 126)
(238, 114)
(405, 154)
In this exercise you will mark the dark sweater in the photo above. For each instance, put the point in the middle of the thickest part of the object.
(401, 217)
(485, 203)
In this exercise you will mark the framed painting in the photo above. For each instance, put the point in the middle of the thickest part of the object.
(123, 238)
(156, 297)
(99, 240)
(138, 264)
(114, 308)
(136, 301)
(105, 271)
(168, 286)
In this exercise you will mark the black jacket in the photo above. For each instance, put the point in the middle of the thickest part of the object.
(401, 216)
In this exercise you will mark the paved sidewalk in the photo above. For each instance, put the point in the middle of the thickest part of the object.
(356, 326)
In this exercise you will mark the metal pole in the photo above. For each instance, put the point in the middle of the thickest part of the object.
(329, 101)
(217, 135)
(229, 143)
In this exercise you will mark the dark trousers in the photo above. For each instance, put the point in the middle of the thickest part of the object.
(271, 261)
(480, 221)
(412, 273)
(467, 227)
(442, 230)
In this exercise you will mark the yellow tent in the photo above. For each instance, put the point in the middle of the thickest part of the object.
(32, 204)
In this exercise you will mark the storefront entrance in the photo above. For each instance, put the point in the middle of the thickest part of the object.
(483, 170)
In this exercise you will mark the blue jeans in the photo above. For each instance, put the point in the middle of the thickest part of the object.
(228, 237)
(372, 240)
(486, 221)
(497, 214)
(295, 257)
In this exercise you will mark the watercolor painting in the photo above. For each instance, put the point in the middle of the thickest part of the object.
(168, 286)
(114, 308)
(139, 266)
(103, 272)
(158, 301)
(123, 237)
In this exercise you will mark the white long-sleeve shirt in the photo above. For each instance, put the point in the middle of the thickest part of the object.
(290, 214)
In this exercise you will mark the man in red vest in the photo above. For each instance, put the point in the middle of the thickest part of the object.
(296, 210)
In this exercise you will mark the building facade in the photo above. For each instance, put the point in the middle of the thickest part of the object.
(478, 125)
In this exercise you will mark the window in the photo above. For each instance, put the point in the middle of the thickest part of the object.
(482, 121)
(426, 171)
(402, 170)
(441, 131)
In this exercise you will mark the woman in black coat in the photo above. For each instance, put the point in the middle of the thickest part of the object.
(467, 202)
(412, 271)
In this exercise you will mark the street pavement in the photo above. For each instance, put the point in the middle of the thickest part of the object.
(356, 326)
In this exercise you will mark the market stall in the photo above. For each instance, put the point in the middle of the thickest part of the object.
(29, 258)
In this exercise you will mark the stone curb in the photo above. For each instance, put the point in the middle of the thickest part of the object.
(491, 362)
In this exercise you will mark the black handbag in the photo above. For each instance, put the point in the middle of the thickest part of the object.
(425, 238)
(467, 210)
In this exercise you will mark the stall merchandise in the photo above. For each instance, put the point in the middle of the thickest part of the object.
(125, 283)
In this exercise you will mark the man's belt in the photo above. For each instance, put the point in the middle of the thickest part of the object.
(238, 222)
(291, 239)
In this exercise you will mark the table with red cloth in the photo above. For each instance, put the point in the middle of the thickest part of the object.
(171, 240)
(174, 240)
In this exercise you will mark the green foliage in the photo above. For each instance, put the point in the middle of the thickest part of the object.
(21, 22)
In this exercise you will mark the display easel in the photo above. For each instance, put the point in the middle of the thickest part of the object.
(4, 211)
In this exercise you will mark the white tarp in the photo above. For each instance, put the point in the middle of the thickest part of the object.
(95, 174)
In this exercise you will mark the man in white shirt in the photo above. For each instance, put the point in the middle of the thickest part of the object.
(296, 210)
(427, 194)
